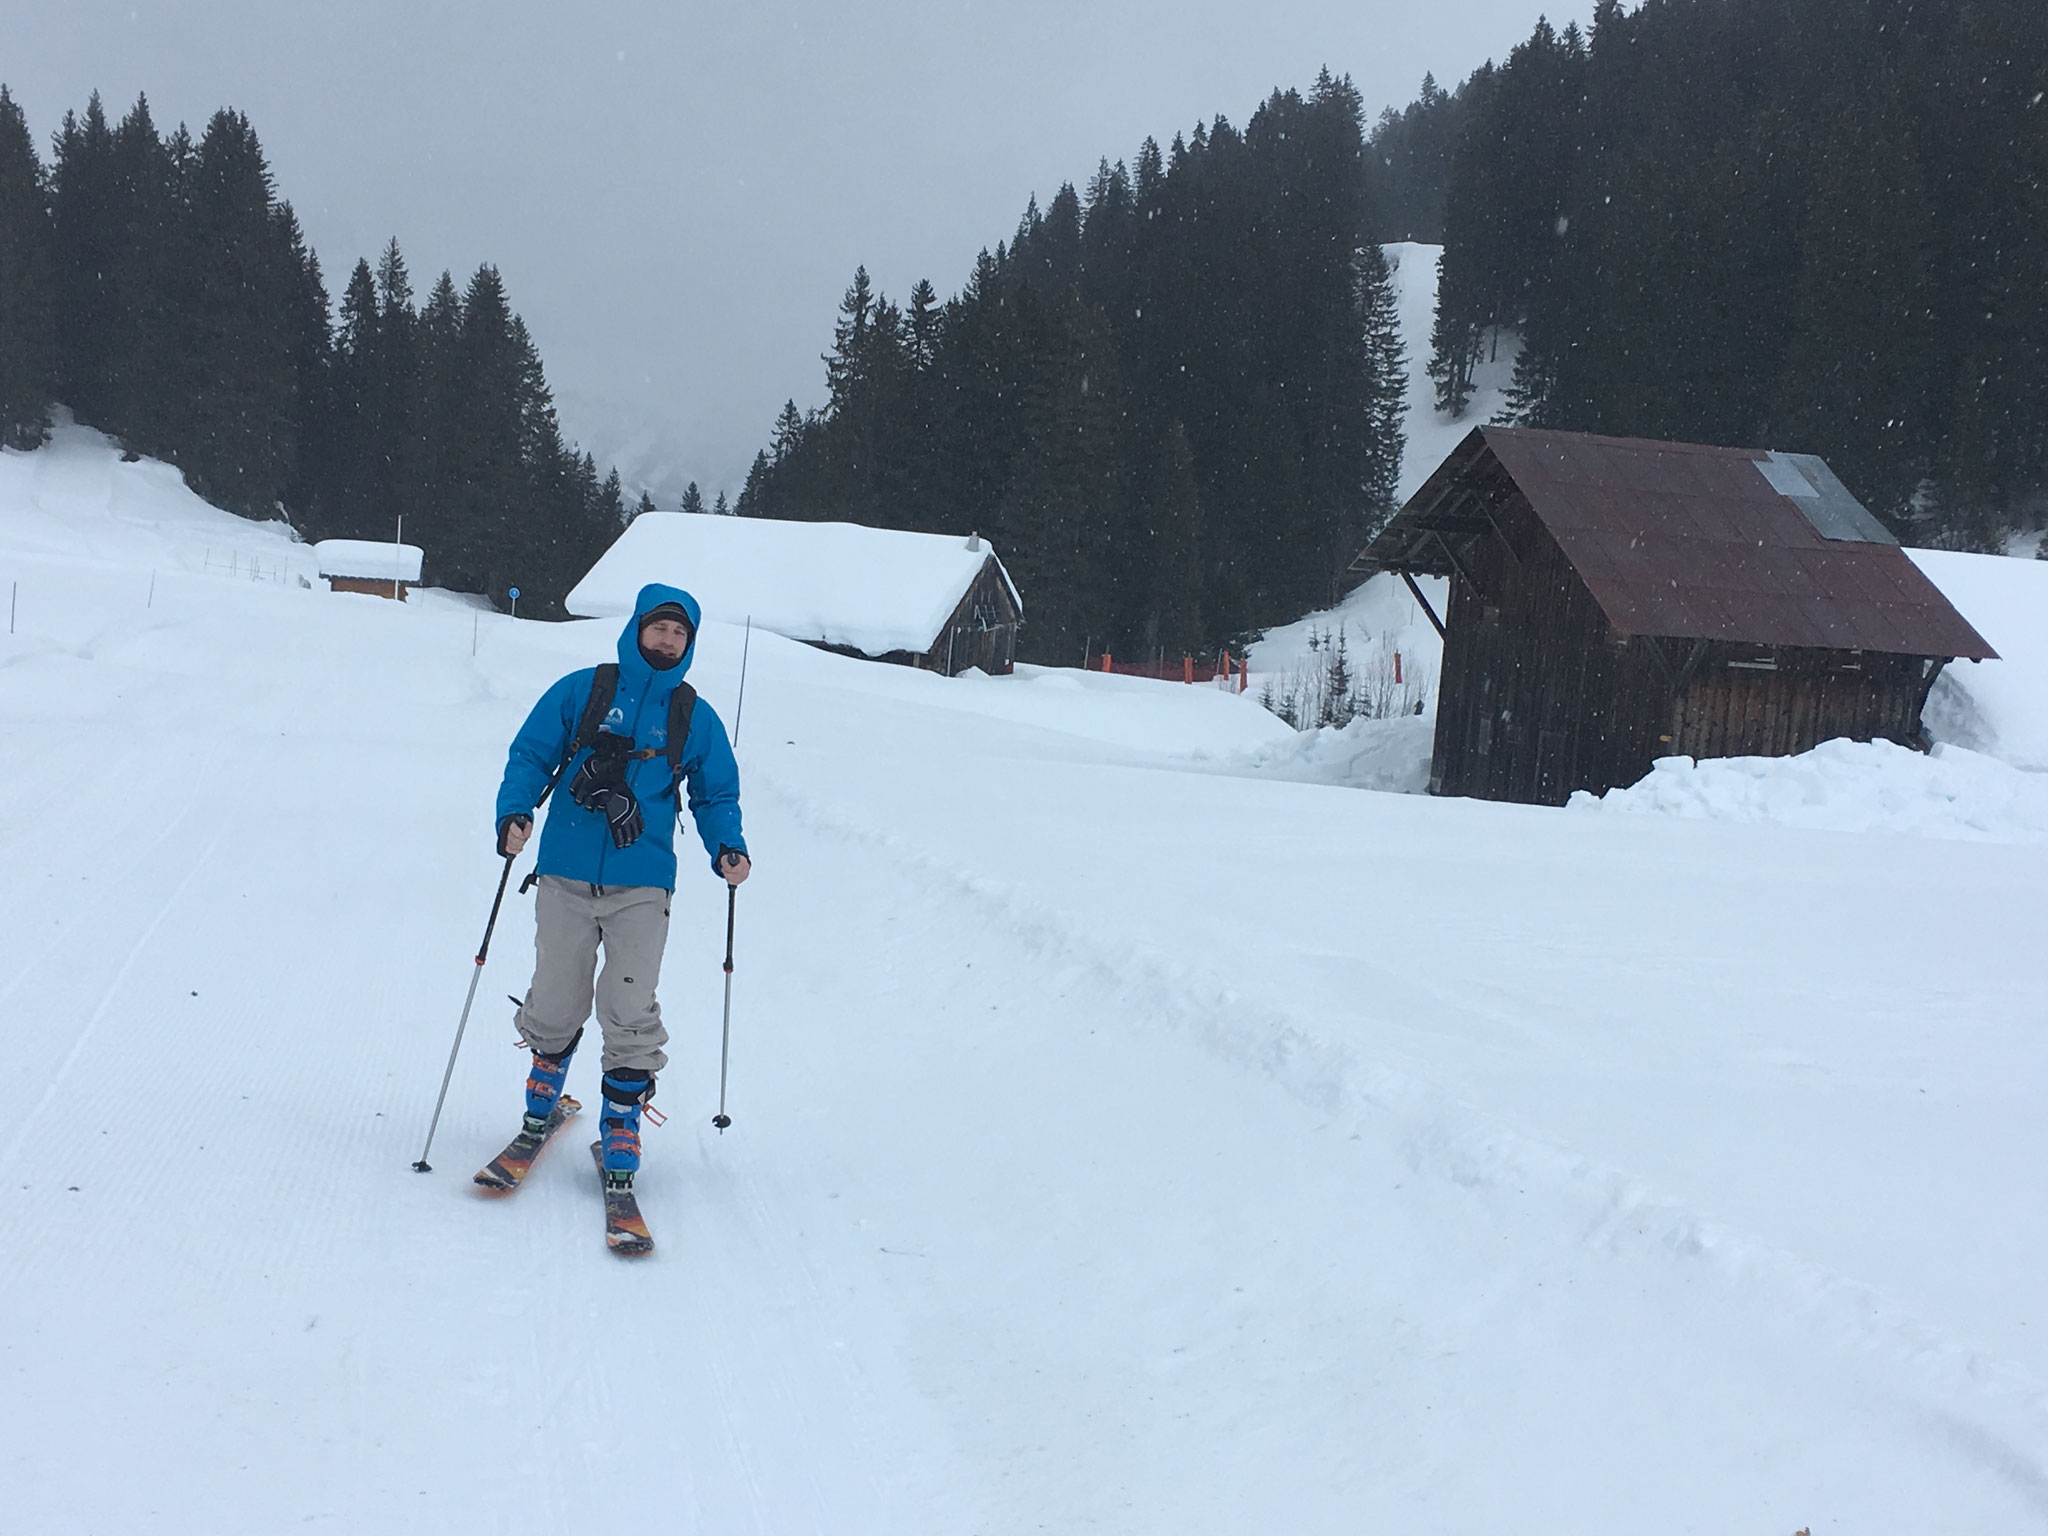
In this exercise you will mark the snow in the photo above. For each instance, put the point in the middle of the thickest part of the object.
(2001, 706)
(1379, 615)
(1432, 434)
(367, 560)
(1126, 1135)
(1848, 786)
(875, 589)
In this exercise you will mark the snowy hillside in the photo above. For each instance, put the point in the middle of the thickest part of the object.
(1431, 435)
(1126, 1138)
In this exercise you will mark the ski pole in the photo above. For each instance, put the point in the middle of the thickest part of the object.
(477, 971)
(722, 1119)
(475, 975)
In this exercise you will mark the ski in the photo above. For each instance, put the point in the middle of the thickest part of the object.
(501, 1175)
(624, 1231)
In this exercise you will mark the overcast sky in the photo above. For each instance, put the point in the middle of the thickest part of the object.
(678, 194)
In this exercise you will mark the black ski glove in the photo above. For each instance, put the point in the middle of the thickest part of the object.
(622, 813)
(600, 786)
(505, 826)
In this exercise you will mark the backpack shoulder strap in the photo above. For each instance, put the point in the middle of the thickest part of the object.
(602, 687)
(681, 705)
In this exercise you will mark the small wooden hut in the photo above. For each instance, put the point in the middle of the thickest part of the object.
(1616, 600)
(934, 601)
(363, 565)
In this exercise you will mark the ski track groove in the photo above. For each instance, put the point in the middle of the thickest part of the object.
(99, 1012)
(1446, 1138)
(110, 841)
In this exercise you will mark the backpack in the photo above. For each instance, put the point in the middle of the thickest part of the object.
(681, 705)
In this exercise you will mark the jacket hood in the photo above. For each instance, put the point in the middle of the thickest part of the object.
(651, 597)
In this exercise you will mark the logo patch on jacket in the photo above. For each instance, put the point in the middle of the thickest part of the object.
(614, 716)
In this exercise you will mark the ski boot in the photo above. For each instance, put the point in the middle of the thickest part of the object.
(544, 1085)
(625, 1091)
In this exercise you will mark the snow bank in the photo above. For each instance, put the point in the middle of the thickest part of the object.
(1998, 707)
(1390, 755)
(1846, 786)
(874, 589)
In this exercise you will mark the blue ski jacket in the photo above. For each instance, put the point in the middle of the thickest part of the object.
(576, 844)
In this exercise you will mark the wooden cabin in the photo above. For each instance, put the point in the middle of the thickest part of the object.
(363, 565)
(1616, 600)
(934, 601)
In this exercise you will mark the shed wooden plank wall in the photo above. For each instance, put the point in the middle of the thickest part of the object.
(1538, 697)
(1810, 696)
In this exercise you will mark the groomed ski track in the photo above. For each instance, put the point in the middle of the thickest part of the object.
(1120, 1143)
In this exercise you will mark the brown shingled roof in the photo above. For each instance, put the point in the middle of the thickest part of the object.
(1692, 542)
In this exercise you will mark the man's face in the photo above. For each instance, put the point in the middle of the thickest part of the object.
(666, 638)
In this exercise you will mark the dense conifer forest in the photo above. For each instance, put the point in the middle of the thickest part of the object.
(1816, 225)
(157, 286)
(1173, 400)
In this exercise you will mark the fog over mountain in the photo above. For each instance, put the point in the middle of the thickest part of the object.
(678, 194)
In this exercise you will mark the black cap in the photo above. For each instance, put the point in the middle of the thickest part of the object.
(662, 611)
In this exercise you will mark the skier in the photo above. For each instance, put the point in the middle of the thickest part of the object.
(607, 863)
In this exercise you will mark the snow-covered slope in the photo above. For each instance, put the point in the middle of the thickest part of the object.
(1122, 1141)
(1431, 435)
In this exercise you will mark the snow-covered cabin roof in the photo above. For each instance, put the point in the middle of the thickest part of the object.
(876, 590)
(366, 560)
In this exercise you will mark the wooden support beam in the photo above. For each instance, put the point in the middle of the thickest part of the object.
(1458, 565)
(1423, 603)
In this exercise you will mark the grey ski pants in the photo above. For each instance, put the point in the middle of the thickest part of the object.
(571, 920)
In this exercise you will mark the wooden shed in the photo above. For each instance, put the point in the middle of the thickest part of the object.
(1616, 600)
(935, 601)
(366, 566)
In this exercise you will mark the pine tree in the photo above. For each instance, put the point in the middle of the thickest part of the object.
(693, 499)
(846, 364)
(923, 319)
(428, 391)
(242, 450)
(309, 347)
(28, 362)
(348, 487)
(720, 508)
(789, 433)
(84, 236)
(1385, 393)
(151, 287)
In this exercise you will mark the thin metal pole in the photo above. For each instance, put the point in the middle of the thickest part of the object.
(476, 975)
(740, 709)
(483, 951)
(722, 1119)
(732, 896)
(13, 599)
